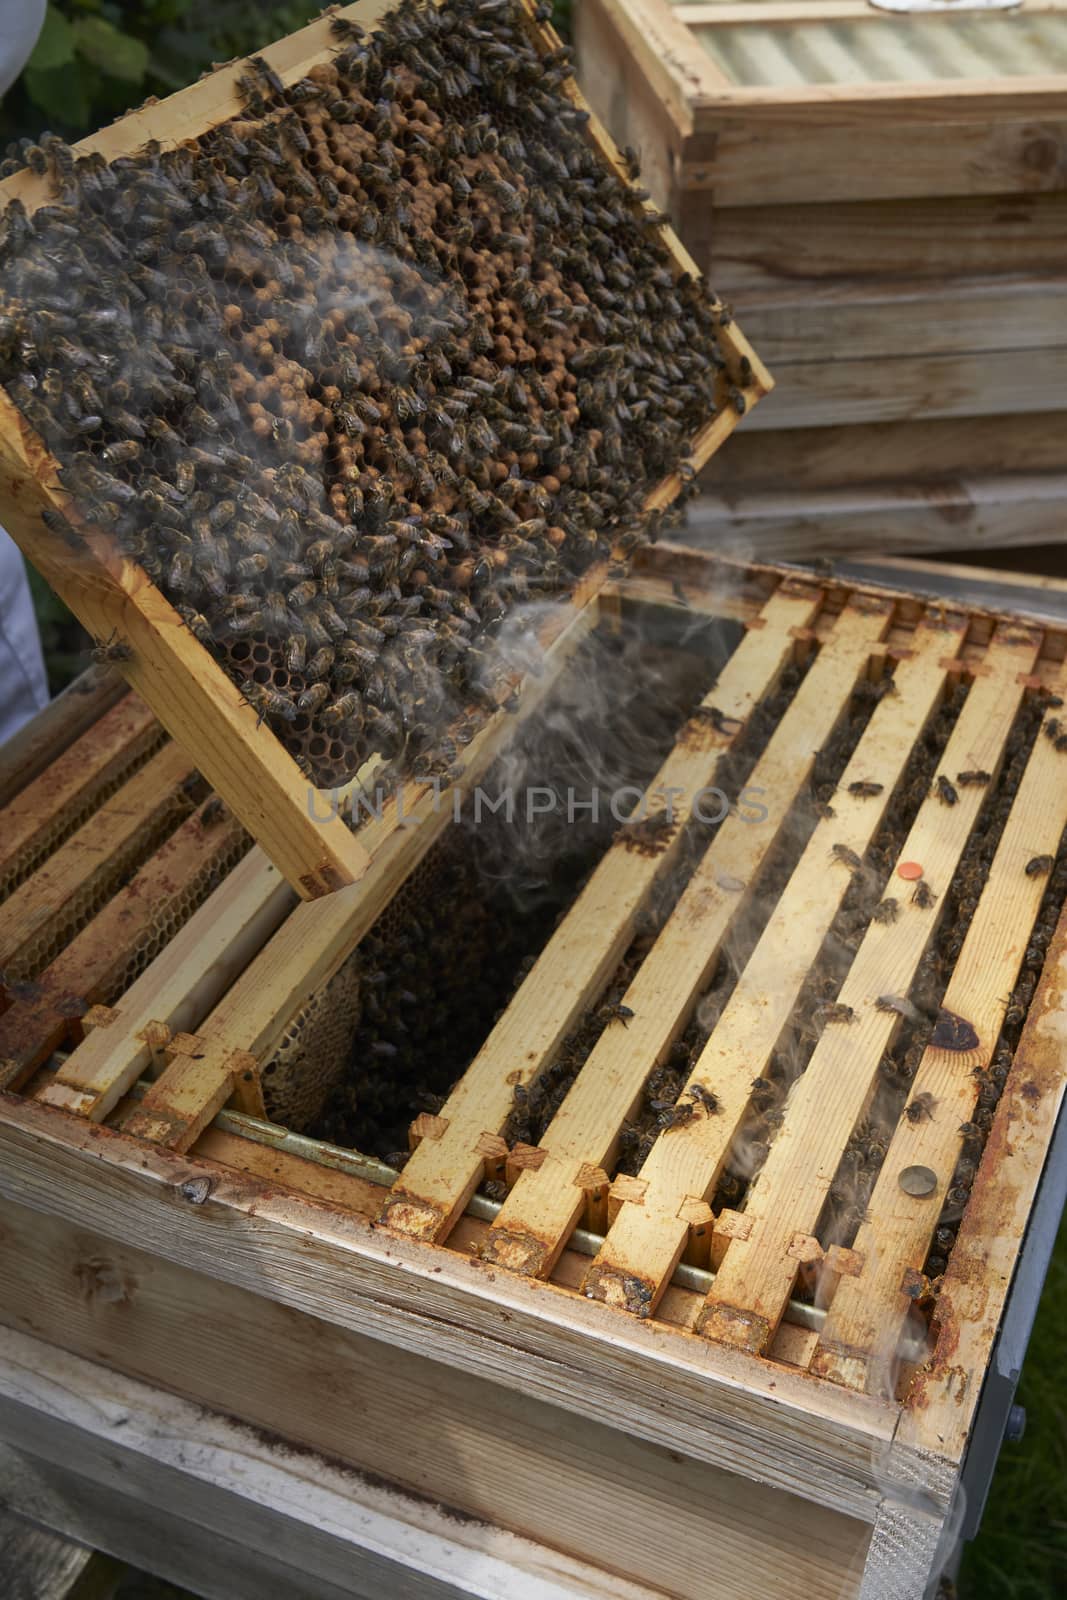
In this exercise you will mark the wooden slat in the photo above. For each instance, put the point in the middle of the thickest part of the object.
(749, 250)
(815, 394)
(90, 967)
(571, 971)
(879, 141)
(756, 1276)
(309, 948)
(546, 1204)
(177, 990)
(65, 884)
(980, 513)
(929, 458)
(859, 1340)
(648, 1238)
(807, 321)
(36, 1564)
(49, 808)
(45, 737)
(781, 13)
(528, 1471)
(943, 1396)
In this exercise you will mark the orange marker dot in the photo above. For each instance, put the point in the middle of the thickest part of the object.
(909, 870)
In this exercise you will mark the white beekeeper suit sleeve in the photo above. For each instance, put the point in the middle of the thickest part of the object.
(23, 685)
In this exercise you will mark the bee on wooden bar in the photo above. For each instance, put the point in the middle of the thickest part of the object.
(111, 649)
(946, 792)
(973, 778)
(922, 895)
(847, 856)
(865, 789)
(887, 910)
(1040, 866)
(705, 1098)
(921, 1108)
(834, 1011)
(615, 1011)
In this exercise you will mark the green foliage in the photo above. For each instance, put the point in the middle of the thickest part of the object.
(96, 59)
(1021, 1550)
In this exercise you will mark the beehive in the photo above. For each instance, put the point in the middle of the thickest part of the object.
(738, 1176)
(371, 347)
(880, 191)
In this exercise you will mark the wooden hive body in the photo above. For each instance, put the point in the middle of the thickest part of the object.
(882, 196)
(197, 701)
(629, 1324)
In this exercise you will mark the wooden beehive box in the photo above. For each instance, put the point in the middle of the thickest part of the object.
(883, 196)
(201, 704)
(755, 1306)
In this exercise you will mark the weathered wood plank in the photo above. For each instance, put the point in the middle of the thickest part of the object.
(986, 513)
(58, 895)
(514, 1522)
(859, 1341)
(813, 394)
(757, 1272)
(932, 456)
(750, 249)
(546, 1204)
(535, 1338)
(443, 1172)
(36, 1564)
(649, 1236)
(804, 322)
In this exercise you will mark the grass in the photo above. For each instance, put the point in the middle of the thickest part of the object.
(1021, 1549)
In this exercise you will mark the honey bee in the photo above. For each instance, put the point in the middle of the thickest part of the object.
(1040, 866)
(846, 856)
(973, 778)
(923, 896)
(268, 702)
(615, 1012)
(111, 649)
(921, 1108)
(945, 791)
(887, 910)
(834, 1011)
(705, 1098)
(345, 708)
(865, 789)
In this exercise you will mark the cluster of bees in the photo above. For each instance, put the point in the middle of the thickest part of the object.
(443, 961)
(361, 368)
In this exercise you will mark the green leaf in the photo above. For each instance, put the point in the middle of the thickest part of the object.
(55, 44)
(117, 55)
(61, 93)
